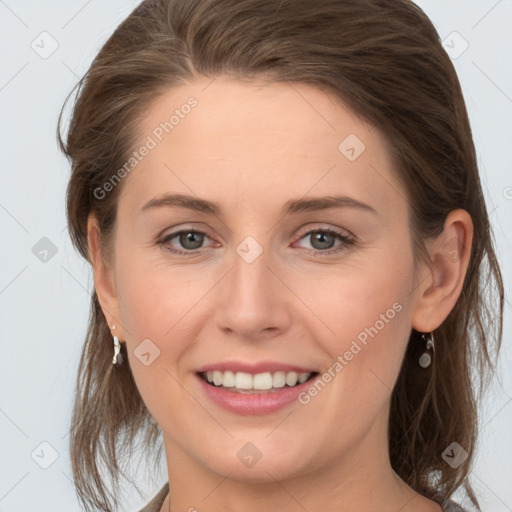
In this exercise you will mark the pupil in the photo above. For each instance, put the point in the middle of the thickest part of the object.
(320, 237)
(190, 237)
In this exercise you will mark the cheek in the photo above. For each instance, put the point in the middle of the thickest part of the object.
(154, 309)
(363, 317)
(154, 296)
(159, 307)
(370, 319)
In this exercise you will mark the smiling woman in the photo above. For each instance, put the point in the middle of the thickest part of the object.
(290, 276)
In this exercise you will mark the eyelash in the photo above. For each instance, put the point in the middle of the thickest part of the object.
(347, 241)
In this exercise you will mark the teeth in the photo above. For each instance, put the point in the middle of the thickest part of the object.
(242, 380)
(291, 378)
(228, 379)
(217, 378)
(278, 380)
(303, 377)
(260, 381)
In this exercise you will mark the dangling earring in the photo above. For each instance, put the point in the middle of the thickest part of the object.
(117, 350)
(426, 359)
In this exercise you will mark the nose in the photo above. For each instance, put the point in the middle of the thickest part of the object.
(253, 302)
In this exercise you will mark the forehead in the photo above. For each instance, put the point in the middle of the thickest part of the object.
(226, 107)
(238, 139)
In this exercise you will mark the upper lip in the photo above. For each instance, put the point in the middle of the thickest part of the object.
(253, 368)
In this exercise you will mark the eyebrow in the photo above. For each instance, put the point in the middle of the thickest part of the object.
(293, 206)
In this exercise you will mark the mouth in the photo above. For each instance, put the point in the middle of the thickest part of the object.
(259, 383)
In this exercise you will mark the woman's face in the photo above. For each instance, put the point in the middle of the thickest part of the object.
(278, 275)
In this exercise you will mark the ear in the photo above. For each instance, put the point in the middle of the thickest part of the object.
(441, 285)
(104, 282)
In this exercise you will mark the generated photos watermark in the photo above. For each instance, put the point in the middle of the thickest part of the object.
(151, 142)
(343, 360)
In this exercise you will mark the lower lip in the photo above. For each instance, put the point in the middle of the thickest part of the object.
(256, 403)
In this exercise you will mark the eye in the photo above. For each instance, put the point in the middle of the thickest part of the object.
(189, 239)
(323, 241)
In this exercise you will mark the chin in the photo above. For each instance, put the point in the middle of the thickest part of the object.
(263, 465)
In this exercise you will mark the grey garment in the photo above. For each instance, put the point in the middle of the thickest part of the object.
(451, 506)
(156, 503)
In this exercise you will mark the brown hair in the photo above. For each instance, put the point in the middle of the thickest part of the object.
(384, 59)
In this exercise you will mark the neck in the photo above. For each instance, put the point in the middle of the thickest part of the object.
(361, 478)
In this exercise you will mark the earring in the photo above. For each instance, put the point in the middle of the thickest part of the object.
(117, 350)
(426, 359)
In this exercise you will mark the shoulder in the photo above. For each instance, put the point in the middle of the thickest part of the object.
(451, 506)
(156, 503)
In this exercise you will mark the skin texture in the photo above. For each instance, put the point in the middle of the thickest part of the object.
(252, 148)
